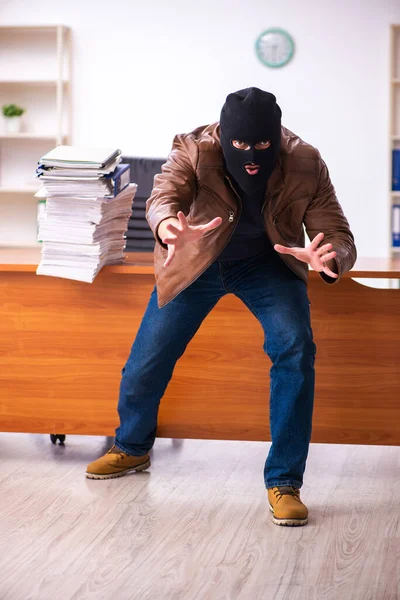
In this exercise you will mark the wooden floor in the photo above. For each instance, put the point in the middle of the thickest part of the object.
(196, 526)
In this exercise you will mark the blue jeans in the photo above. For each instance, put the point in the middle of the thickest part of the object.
(278, 299)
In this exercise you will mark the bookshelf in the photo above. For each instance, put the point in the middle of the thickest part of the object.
(35, 73)
(33, 83)
(394, 120)
(29, 136)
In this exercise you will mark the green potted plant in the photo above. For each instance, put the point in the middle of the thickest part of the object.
(12, 118)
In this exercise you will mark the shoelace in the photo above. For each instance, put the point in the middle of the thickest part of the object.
(112, 451)
(286, 489)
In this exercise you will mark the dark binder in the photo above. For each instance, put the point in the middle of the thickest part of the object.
(396, 170)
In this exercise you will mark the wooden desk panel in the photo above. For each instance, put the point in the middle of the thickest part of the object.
(63, 344)
(26, 259)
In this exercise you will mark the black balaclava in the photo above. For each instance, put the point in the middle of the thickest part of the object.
(251, 116)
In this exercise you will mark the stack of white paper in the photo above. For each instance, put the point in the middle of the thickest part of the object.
(83, 232)
(81, 235)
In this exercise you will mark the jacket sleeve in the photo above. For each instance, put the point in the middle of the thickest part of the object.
(325, 214)
(175, 187)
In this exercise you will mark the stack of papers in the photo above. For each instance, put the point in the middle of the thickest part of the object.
(68, 170)
(85, 220)
(81, 158)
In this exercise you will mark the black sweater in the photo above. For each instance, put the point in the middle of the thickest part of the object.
(249, 238)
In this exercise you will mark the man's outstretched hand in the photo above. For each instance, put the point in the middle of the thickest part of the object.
(316, 257)
(176, 235)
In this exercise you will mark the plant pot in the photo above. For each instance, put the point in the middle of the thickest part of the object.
(12, 124)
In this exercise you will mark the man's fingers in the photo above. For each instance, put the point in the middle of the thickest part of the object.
(171, 254)
(317, 240)
(330, 273)
(172, 229)
(182, 220)
(328, 256)
(170, 240)
(284, 250)
(323, 249)
(211, 225)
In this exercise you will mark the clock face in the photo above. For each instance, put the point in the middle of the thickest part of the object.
(275, 47)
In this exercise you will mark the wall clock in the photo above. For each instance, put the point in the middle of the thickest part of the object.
(275, 47)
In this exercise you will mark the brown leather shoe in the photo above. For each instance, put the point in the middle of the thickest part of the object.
(116, 463)
(286, 506)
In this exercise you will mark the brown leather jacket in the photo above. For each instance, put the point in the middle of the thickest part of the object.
(194, 181)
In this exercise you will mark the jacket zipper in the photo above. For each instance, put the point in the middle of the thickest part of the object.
(227, 207)
(275, 222)
(262, 213)
(284, 207)
(230, 219)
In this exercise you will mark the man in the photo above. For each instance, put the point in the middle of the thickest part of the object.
(227, 213)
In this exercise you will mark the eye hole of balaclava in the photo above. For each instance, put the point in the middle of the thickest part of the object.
(251, 116)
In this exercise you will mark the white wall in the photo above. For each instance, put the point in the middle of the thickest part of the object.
(145, 70)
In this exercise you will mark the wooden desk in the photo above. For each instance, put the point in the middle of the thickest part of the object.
(63, 344)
